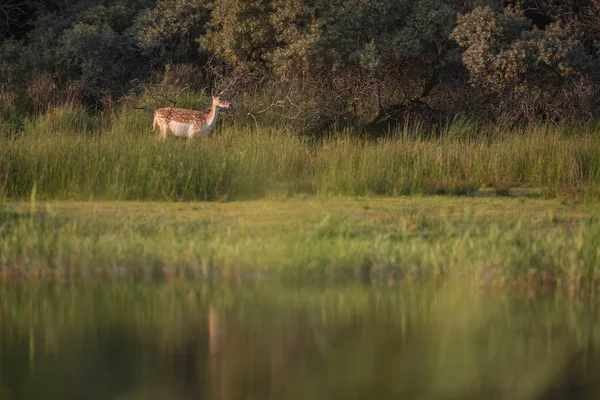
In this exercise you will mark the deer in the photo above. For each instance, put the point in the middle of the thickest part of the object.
(189, 123)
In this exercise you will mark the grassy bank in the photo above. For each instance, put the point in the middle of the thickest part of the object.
(69, 155)
(400, 240)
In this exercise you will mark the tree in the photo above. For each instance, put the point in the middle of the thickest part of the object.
(85, 40)
(168, 31)
(536, 74)
(241, 33)
(381, 52)
(102, 59)
(14, 15)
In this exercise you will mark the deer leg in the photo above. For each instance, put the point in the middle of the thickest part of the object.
(191, 134)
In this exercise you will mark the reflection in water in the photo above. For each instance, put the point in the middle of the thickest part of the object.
(191, 341)
(214, 331)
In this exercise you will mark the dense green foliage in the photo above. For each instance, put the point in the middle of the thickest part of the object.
(310, 63)
(544, 73)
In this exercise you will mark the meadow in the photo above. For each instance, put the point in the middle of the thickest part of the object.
(70, 155)
(497, 241)
(84, 196)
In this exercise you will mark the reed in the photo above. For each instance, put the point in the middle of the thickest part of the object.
(67, 155)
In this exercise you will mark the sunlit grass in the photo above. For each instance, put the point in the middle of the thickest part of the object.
(493, 240)
(67, 155)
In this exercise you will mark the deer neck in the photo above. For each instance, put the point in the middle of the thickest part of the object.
(212, 115)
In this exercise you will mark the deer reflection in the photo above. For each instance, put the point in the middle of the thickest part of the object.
(217, 360)
(254, 357)
(214, 332)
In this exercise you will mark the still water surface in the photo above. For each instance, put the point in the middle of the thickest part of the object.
(272, 341)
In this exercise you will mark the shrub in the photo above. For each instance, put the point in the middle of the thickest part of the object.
(351, 58)
(167, 32)
(535, 74)
(64, 120)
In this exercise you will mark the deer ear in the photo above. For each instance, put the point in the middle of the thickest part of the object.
(212, 92)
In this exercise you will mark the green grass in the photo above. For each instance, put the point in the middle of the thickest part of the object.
(400, 240)
(68, 155)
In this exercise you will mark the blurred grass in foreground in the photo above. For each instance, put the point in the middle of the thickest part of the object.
(400, 240)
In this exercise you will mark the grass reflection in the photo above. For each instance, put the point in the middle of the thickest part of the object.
(177, 341)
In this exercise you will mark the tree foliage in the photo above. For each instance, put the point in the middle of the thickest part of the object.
(343, 36)
(334, 59)
(366, 55)
(168, 31)
(543, 73)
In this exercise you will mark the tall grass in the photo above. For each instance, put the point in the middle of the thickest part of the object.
(404, 239)
(66, 155)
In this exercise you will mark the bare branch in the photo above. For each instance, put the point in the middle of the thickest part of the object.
(10, 9)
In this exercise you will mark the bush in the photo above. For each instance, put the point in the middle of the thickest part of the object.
(535, 74)
(168, 31)
(338, 59)
(310, 65)
(64, 120)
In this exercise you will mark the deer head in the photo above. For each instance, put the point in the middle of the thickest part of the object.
(218, 99)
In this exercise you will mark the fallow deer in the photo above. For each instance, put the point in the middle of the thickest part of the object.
(188, 123)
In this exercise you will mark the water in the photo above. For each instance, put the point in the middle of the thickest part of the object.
(271, 341)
